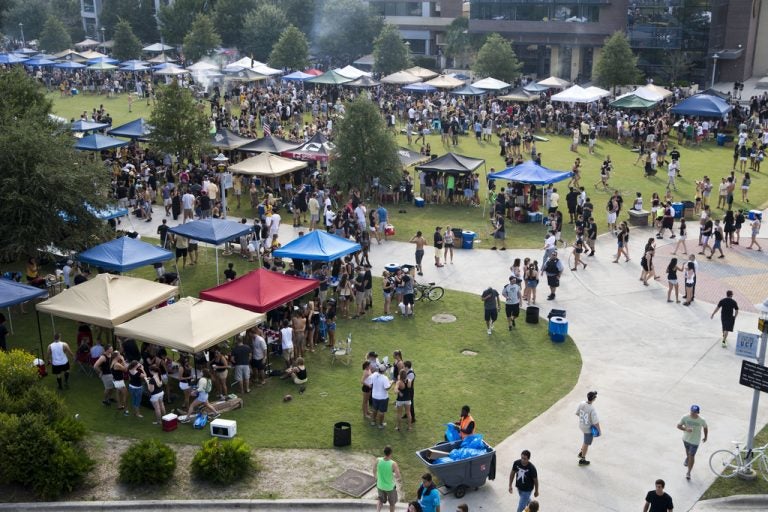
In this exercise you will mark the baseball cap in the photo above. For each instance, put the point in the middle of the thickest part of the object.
(591, 395)
(695, 408)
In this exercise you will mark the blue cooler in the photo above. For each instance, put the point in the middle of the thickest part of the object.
(391, 267)
(755, 214)
(678, 207)
(419, 202)
(558, 329)
(468, 239)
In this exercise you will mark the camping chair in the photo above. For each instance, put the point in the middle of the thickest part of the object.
(83, 358)
(344, 351)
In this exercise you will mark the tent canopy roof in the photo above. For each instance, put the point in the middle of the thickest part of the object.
(653, 92)
(491, 84)
(632, 101)
(227, 140)
(400, 78)
(577, 94)
(423, 73)
(331, 77)
(317, 246)
(155, 48)
(136, 129)
(554, 82)
(260, 290)
(212, 231)
(408, 157)
(531, 172)
(124, 254)
(297, 76)
(12, 293)
(452, 163)
(468, 90)
(271, 144)
(97, 142)
(190, 325)
(352, 72)
(86, 126)
(267, 164)
(702, 105)
(317, 148)
(519, 94)
(363, 81)
(107, 300)
(419, 87)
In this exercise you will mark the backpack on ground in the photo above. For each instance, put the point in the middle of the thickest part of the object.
(201, 420)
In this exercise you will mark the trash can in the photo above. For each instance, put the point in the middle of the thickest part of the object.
(688, 210)
(457, 234)
(678, 207)
(468, 239)
(558, 329)
(532, 315)
(721, 139)
(342, 434)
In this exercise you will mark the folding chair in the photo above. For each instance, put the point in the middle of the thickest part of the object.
(344, 351)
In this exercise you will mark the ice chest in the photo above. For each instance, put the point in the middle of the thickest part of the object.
(389, 230)
(170, 422)
(223, 428)
(419, 202)
(755, 214)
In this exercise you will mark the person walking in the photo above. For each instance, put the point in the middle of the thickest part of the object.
(658, 500)
(428, 495)
(587, 420)
(622, 243)
(717, 233)
(420, 242)
(683, 234)
(438, 242)
(512, 297)
(59, 355)
(729, 310)
(553, 268)
(755, 226)
(672, 270)
(692, 426)
(491, 303)
(387, 473)
(499, 233)
(525, 478)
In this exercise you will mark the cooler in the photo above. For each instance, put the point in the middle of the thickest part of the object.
(170, 422)
(389, 230)
(391, 267)
(224, 428)
(418, 202)
(755, 214)
(558, 329)
(535, 217)
(468, 239)
(678, 207)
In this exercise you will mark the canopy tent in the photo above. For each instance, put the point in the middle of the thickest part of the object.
(330, 78)
(244, 75)
(171, 71)
(653, 92)
(419, 87)
(260, 290)
(225, 139)
(190, 325)
(534, 87)
(577, 94)
(491, 84)
(297, 76)
(69, 55)
(203, 66)
(400, 78)
(631, 101)
(133, 61)
(245, 62)
(468, 90)
(156, 48)
(715, 92)
(352, 72)
(423, 73)
(531, 172)
(138, 129)
(365, 60)
(87, 43)
(134, 66)
(313, 72)
(409, 158)
(68, 64)
(268, 165)
(92, 54)
(270, 144)
(445, 82)
(161, 59)
(12, 293)
(87, 126)
(519, 94)
(363, 81)
(102, 66)
(98, 142)
(596, 92)
(263, 69)
(554, 83)
(107, 300)
(39, 62)
(317, 149)
(110, 212)
(317, 246)
(702, 105)
(104, 60)
(452, 163)
(10, 58)
(124, 254)
(26, 51)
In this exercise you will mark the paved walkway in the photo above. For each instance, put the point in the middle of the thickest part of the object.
(648, 359)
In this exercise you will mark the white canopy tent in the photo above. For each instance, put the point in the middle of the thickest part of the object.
(596, 92)
(554, 82)
(190, 325)
(491, 84)
(351, 72)
(157, 48)
(577, 94)
(652, 92)
(267, 164)
(171, 71)
(203, 66)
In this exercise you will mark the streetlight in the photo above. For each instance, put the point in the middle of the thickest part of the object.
(763, 326)
(714, 68)
(103, 40)
(21, 29)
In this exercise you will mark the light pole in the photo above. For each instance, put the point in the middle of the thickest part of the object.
(21, 29)
(714, 68)
(103, 39)
(763, 325)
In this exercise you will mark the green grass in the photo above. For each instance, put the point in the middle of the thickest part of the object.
(72, 106)
(723, 487)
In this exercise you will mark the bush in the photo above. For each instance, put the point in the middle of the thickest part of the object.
(42, 400)
(17, 373)
(147, 462)
(222, 462)
(69, 429)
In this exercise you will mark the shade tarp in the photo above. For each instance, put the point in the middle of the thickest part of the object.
(297, 76)
(445, 82)
(408, 157)
(329, 78)
(519, 94)
(363, 81)
(317, 246)
(400, 78)
(190, 325)
(225, 139)
(468, 90)
(271, 144)
(98, 142)
(87, 126)
(137, 129)
(423, 73)
(352, 72)
(12, 293)
(107, 300)
(419, 87)
(632, 101)
(491, 84)
(260, 290)
(653, 92)
(702, 105)
(267, 164)
(452, 163)
(317, 149)
(531, 172)
(554, 82)
(124, 254)
(212, 231)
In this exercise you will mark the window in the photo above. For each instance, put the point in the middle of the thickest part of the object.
(417, 46)
(397, 8)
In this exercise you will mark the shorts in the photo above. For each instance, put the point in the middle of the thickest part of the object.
(189, 213)
(288, 353)
(531, 283)
(672, 281)
(331, 326)
(158, 397)
(553, 281)
(167, 202)
(499, 235)
(119, 384)
(184, 386)
(380, 405)
(690, 449)
(716, 244)
(611, 218)
(181, 252)
(512, 310)
(202, 397)
(242, 372)
(491, 315)
(222, 374)
(387, 496)
(704, 239)
(408, 299)
(299, 339)
(257, 364)
(314, 217)
(60, 368)
(419, 256)
(366, 389)
(108, 380)
(588, 437)
(402, 403)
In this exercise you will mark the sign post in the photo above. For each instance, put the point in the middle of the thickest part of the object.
(759, 375)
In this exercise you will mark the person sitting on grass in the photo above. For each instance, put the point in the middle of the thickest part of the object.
(297, 373)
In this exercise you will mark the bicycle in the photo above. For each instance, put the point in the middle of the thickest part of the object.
(427, 291)
(727, 464)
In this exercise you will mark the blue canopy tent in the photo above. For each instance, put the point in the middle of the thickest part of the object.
(12, 58)
(138, 129)
(468, 90)
(133, 61)
(531, 172)
(702, 105)
(534, 87)
(419, 87)
(12, 293)
(103, 60)
(39, 62)
(69, 65)
(212, 231)
(87, 126)
(124, 254)
(297, 76)
(97, 142)
(134, 66)
(317, 246)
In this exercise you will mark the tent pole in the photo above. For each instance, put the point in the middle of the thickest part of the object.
(40, 333)
(10, 319)
(216, 250)
(178, 276)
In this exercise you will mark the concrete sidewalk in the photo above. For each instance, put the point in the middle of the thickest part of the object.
(649, 360)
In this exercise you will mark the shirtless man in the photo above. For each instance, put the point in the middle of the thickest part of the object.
(420, 241)
(299, 324)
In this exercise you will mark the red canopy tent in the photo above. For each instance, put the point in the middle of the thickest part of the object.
(260, 290)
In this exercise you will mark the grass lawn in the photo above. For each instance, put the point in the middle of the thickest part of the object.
(446, 380)
(733, 486)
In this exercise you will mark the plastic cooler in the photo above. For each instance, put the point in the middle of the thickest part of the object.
(558, 329)
(418, 202)
(391, 267)
(468, 239)
(389, 230)
(755, 214)
(170, 422)
(678, 207)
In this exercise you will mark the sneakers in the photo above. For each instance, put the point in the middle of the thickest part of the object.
(583, 462)
(551, 297)
(382, 425)
(214, 416)
(489, 332)
(725, 344)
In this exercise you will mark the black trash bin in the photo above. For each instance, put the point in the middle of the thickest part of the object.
(532, 315)
(457, 236)
(342, 434)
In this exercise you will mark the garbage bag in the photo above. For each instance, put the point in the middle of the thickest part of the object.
(473, 441)
(465, 453)
(451, 432)
(443, 460)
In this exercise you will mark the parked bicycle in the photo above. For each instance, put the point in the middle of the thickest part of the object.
(727, 463)
(427, 291)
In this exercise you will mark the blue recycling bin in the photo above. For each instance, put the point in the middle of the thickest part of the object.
(721, 139)
(678, 207)
(558, 329)
(468, 239)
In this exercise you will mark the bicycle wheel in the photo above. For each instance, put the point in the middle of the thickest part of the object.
(724, 463)
(435, 293)
(418, 293)
(763, 465)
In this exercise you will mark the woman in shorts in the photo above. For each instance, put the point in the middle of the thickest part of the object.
(365, 382)
(672, 270)
(204, 386)
(388, 289)
(118, 368)
(531, 281)
(403, 399)
(185, 379)
(156, 393)
(448, 241)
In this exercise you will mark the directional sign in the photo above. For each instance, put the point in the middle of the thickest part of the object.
(746, 344)
(754, 376)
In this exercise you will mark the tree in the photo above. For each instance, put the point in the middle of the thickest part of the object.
(346, 30)
(364, 149)
(460, 45)
(617, 64)
(291, 51)
(300, 12)
(127, 45)
(202, 38)
(5, 6)
(32, 13)
(175, 19)
(229, 18)
(180, 124)
(138, 13)
(677, 66)
(43, 176)
(497, 59)
(68, 11)
(261, 29)
(390, 53)
(54, 37)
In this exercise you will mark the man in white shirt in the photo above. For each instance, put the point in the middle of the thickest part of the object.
(188, 204)
(58, 357)
(286, 341)
(314, 212)
(360, 215)
(671, 174)
(512, 298)
(330, 216)
(274, 224)
(380, 385)
(258, 356)
(550, 243)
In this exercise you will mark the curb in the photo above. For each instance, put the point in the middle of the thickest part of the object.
(182, 505)
(738, 502)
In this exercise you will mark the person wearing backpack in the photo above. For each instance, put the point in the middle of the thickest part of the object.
(204, 386)
(553, 268)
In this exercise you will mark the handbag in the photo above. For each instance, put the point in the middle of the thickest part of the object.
(595, 431)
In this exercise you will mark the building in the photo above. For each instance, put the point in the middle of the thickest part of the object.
(90, 10)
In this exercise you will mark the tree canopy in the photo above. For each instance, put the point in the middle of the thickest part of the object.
(229, 16)
(364, 149)
(346, 30)
(617, 64)
(139, 15)
(390, 53)
(54, 37)
(45, 182)
(181, 126)
(460, 45)
(201, 39)
(291, 51)
(261, 29)
(177, 18)
(127, 46)
(497, 59)
(32, 13)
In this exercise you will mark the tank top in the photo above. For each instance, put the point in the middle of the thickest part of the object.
(405, 394)
(135, 380)
(156, 388)
(58, 357)
(385, 477)
(117, 374)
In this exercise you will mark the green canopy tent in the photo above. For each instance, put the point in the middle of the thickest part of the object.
(329, 78)
(632, 102)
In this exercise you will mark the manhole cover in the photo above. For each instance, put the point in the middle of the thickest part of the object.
(467, 352)
(354, 482)
(443, 318)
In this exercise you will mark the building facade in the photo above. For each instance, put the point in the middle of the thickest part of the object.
(90, 13)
